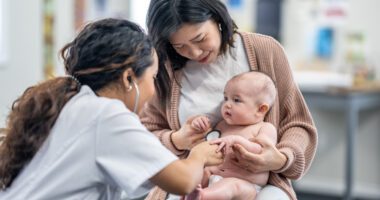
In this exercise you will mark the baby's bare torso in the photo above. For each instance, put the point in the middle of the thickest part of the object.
(227, 169)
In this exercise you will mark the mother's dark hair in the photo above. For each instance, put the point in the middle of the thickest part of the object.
(167, 16)
(97, 57)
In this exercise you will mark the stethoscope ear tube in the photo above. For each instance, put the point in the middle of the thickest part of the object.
(136, 97)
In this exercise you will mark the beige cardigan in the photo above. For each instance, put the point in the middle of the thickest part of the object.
(297, 135)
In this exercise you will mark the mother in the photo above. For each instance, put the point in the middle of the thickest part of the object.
(199, 43)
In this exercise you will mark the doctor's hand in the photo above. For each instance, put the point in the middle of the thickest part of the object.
(188, 136)
(269, 159)
(208, 152)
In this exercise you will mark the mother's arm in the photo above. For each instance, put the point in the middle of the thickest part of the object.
(296, 132)
(268, 159)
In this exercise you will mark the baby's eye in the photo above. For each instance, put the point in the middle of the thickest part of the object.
(237, 100)
(225, 99)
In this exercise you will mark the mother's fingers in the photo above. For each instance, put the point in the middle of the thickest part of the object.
(243, 153)
(264, 142)
(245, 159)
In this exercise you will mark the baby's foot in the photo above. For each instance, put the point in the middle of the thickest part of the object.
(196, 194)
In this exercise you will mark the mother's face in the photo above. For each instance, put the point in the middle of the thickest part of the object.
(198, 42)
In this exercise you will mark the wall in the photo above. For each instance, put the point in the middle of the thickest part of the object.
(243, 14)
(63, 29)
(299, 29)
(24, 64)
(364, 15)
(24, 26)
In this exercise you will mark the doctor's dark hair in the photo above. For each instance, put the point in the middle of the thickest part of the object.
(97, 57)
(165, 17)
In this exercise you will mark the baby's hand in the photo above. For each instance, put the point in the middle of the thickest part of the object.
(221, 144)
(201, 123)
(225, 142)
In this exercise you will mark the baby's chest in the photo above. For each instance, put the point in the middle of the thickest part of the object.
(246, 132)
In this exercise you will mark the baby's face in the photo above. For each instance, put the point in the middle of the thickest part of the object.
(239, 106)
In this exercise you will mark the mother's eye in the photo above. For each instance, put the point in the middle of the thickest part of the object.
(201, 40)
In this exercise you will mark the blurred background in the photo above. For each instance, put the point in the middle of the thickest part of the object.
(333, 47)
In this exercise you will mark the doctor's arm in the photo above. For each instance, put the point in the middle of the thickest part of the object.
(182, 176)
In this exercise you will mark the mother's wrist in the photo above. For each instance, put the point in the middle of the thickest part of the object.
(281, 161)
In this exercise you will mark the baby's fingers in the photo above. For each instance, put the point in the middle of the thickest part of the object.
(195, 124)
(205, 123)
(216, 141)
(221, 146)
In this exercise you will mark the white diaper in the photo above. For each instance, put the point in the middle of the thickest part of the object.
(258, 188)
(214, 178)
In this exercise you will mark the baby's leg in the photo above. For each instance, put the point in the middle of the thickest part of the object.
(207, 179)
(194, 195)
(229, 189)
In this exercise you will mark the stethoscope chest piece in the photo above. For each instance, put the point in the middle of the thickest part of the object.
(212, 135)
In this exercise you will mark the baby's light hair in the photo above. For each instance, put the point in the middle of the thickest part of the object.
(263, 87)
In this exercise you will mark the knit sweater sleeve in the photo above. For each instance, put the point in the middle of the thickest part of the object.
(154, 117)
(297, 132)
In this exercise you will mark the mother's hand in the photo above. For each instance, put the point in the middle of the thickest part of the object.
(188, 136)
(269, 159)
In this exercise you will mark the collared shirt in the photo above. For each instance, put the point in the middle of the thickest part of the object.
(96, 149)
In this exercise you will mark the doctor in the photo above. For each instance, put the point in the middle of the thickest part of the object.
(78, 136)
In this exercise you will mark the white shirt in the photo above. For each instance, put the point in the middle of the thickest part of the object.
(96, 148)
(203, 84)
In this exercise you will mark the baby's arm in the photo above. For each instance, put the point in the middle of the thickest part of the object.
(227, 141)
(268, 132)
(201, 123)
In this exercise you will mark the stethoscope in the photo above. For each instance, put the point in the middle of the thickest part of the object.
(213, 134)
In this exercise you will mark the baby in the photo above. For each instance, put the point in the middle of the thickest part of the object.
(247, 99)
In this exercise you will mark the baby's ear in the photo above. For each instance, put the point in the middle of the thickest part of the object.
(263, 108)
